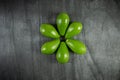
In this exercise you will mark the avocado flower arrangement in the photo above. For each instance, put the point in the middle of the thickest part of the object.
(62, 38)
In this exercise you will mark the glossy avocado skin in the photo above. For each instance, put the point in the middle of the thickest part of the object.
(62, 55)
(49, 31)
(76, 46)
(74, 29)
(50, 47)
(62, 22)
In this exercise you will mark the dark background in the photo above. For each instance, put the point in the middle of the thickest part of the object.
(20, 40)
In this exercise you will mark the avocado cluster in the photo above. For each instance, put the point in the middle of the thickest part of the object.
(63, 38)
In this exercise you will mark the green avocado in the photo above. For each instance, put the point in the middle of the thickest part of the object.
(50, 47)
(74, 29)
(62, 53)
(76, 46)
(62, 22)
(49, 31)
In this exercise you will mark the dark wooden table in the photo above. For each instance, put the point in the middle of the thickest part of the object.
(20, 40)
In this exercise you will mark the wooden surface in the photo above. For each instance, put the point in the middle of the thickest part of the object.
(20, 40)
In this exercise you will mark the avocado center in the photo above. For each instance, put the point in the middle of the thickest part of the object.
(62, 38)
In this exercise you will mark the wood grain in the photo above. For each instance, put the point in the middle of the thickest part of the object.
(20, 40)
